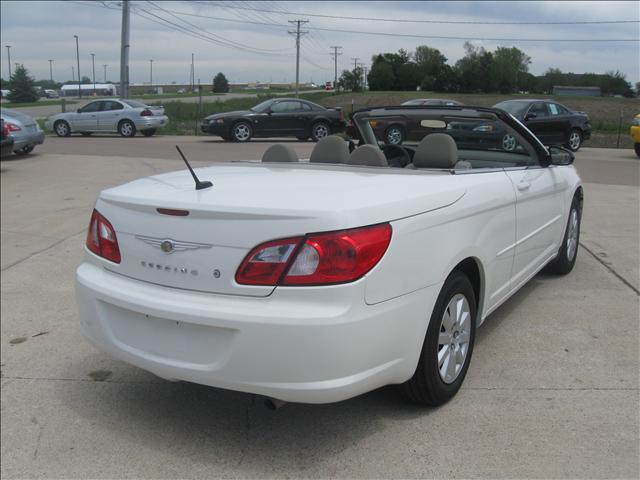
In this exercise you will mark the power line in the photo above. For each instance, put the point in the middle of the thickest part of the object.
(407, 35)
(447, 22)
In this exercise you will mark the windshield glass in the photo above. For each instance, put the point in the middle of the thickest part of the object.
(134, 104)
(482, 140)
(262, 107)
(514, 108)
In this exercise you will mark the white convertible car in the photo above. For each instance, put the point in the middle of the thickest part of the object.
(315, 281)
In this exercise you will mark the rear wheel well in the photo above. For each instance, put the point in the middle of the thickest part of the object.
(469, 266)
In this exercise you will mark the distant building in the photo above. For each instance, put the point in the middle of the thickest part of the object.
(577, 91)
(102, 90)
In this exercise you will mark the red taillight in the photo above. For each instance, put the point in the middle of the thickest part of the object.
(146, 113)
(318, 259)
(101, 238)
(11, 127)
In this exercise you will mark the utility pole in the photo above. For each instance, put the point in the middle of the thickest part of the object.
(93, 68)
(297, 33)
(124, 51)
(105, 73)
(151, 74)
(78, 60)
(51, 70)
(335, 64)
(73, 73)
(355, 62)
(192, 77)
(9, 59)
(364, 83)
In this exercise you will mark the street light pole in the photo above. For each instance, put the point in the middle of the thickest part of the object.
(93, 68)
(105, 73)
(9, 59)
(78, 60)
(151, 74)
(51, 70)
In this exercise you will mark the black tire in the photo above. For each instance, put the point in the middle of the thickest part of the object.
(62, 128)
(427, 386)
(148, 132)
(241, 132)
(636, 147)
(25, 150)
(394, 135)
(566, 258)
(574, 139)
(320, 130)
(126, 128)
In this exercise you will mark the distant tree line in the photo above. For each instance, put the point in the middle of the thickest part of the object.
(505, 70)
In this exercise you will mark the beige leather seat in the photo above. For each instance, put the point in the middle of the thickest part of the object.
(331, 149)
(280, 153)
(368, 155)
(437, 150)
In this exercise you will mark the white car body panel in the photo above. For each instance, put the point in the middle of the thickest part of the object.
(308, 344)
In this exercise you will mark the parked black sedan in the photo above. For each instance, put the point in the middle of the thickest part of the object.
(551, 122)
(278, 117)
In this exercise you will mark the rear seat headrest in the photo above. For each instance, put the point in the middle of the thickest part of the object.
(331, 149)
(280, 153)
(437, 150)
(368, 155)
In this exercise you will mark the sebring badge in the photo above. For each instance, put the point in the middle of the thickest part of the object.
(168, 245)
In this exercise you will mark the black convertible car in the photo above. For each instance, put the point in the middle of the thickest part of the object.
(278, 117)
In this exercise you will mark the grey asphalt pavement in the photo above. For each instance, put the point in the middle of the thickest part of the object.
(552, 390)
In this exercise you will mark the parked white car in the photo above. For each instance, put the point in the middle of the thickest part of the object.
(125, 117)
(318, 281)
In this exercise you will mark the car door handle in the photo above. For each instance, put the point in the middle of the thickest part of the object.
(523, 185)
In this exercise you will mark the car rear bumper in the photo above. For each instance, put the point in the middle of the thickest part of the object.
(311, 345)
(28, 139)
(156, 121)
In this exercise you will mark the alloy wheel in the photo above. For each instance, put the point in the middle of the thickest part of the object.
(509, 142)
(394, 136)
(126, 129)
(320, 131)
(572, 235)
(574, 140)
(453, 341)
(62, 129)
(241, 132)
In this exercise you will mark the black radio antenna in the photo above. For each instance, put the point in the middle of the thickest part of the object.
(199, 185)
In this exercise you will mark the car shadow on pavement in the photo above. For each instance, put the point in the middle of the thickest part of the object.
(229, 430)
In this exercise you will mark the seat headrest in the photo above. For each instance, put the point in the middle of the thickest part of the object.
(331, 149)
(368, 155)
(280, 153)
(437, 150)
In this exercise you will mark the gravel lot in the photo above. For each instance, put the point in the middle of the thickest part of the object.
(552, 390)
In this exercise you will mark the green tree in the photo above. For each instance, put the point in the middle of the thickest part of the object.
(351, 80)
(408, 76)
(429, 60)
(474, 69)
(85, 80)
(507, 64)
(22, 86)
(381, 76)
(637, 89)
(220, 83)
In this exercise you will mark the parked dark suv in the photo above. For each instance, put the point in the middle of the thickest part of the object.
(551, 122)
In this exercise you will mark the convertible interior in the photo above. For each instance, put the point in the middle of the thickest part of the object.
(434, 140)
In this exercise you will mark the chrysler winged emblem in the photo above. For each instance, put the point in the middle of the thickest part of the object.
(168, 245)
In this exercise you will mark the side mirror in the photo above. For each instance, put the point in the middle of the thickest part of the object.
(560, 156)
(529, 116)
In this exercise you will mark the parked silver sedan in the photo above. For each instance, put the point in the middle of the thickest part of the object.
(24, 130)
(125, 117)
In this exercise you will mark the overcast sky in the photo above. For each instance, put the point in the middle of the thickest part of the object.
(39, 31)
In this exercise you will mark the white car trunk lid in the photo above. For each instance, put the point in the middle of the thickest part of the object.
(250, 204)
